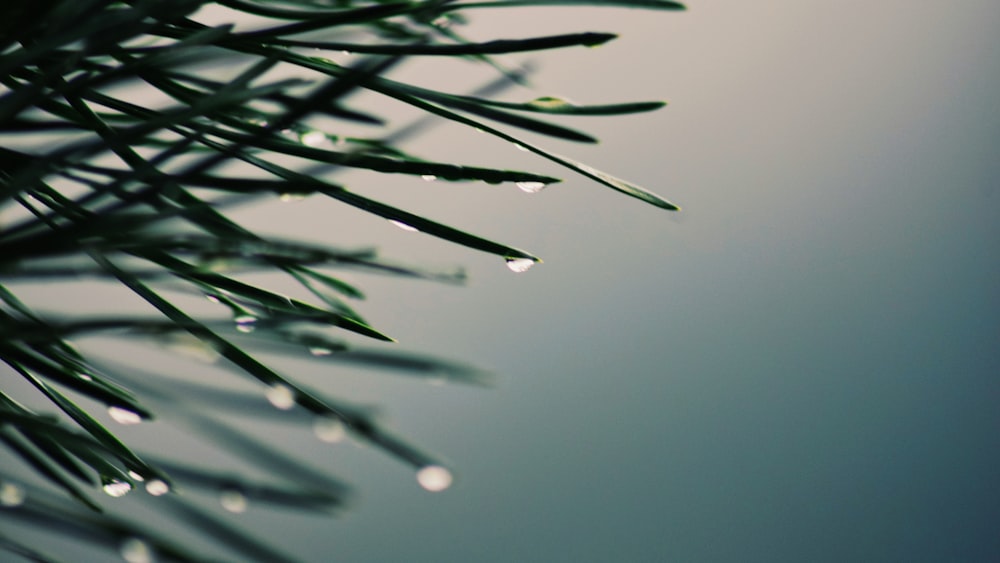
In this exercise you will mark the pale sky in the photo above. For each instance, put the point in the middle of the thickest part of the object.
(799, 367)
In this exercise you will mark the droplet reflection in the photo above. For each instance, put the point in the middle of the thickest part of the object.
(117, 488)
(233, 500)
(281, 396)
(329, 429)
(520, 265)
(11, 495)
(434, 478)
(157, 487)
(124, 416)
(531, 187)
(404, 226)
(245, 323)
(135, 550)
(312, 138)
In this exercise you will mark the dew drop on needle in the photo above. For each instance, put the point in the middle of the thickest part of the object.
(124, 416)
(434, 478)
(11, 495)
(530, 187)
(233, 501)
(135, 550)
(157, 487)
(281, 396)
(520, 265)
(117, 488)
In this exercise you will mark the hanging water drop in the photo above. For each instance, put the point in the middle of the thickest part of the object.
(519, 265)
(11, 495)
(434, 478)
(157, 487)
(212, 298)
(521, 147)
(281, 396)
(288, 197)
(320, 351)
(233, 500)
(116, 487)
(124, 416)
(136, 476)
(428, 177)
(135, 550)
(245, 323)
(313, 138)
(329, 429)
(404, 226)
(530, 187)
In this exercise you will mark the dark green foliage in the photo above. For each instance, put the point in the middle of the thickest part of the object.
(132, 192)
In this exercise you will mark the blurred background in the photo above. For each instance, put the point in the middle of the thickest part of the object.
(802, 365)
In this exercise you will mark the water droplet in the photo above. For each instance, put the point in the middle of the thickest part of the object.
(329, 429)
(136, 476)
(520, 265)
(404, 226)
(116, 487)
(281, 396)
(11, 495)
(191, 346)
(124, 416)
(428, 177)
(550, 102)
(157, 487)
(288, 197)
(531, 187)
(521, 148)
(233, 500)
(320, 351)
(313, 138)
(245, 323)
(85, 376)
(135, 550)
(212, 298)
(434, 478)
(217, 264)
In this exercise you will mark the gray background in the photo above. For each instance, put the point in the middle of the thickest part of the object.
(801, 366)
